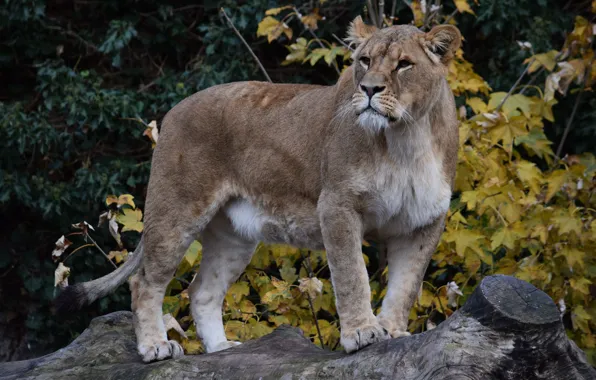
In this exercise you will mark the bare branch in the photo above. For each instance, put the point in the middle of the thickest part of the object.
(342, 42)
(308, 267)
(570, 121)
(515, 85)
(101, 250)
(372, 13)
(246, 44)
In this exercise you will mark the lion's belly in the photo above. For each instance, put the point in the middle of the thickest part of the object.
(297, 225)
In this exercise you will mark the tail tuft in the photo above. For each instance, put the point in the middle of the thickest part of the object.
(71, 299)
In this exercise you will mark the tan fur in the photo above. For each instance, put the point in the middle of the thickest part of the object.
(311, 166)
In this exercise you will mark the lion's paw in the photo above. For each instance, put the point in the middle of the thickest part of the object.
(225, 345)
(360, 337)
(160, 351)
(395, 330)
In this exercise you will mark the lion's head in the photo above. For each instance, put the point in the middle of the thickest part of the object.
(398, 71)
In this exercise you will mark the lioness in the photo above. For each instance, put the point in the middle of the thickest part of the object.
(371, 157)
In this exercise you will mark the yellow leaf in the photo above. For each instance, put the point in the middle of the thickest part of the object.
(192, 347)
(530, 175)
(237, 292)
(566, 222)
(297, 50)
(477, 105)
(508, 236)
(171, 305)
(281, 291)
(275, 11)
(573, 256)
(463, 239)
(580, 318)
(537, 143)
(310, 20)
(463, 6)
(124, 199)
(248, 309)
(118, 256)
(193, 253)
(546, 60)
(555, 181)
(130, 220)
(272, 28)
(258, 329)
(506, 132)
(111, 199)
(425, 299)
(288, 273)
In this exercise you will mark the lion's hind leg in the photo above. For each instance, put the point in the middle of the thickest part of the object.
(225, 256)
(167, 235)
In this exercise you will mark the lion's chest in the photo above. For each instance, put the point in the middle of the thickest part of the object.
(401, 198)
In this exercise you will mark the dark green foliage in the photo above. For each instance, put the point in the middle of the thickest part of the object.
(78, 77)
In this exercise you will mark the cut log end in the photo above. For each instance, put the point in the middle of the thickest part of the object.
(505, 303)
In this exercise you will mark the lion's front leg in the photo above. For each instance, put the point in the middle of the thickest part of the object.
(408, 258)
(342, 234)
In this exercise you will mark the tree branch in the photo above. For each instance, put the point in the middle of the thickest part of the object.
(246, 44)
(523, 74)
(571, 117)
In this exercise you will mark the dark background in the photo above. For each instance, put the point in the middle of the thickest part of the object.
(74, 73)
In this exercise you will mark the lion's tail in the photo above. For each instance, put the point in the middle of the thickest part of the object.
(76, 296)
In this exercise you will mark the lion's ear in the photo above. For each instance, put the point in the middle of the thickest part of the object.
(441, 43)
(358, 32)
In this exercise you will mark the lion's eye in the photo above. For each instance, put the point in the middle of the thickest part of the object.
(403, 65)
(365, 61)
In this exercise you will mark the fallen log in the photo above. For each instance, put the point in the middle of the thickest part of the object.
(508, 329)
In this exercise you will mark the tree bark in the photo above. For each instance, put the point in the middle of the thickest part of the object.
(508, 329)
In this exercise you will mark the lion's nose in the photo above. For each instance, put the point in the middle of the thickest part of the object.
(371, 91)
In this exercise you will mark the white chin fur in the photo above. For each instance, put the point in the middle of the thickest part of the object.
(372, 121)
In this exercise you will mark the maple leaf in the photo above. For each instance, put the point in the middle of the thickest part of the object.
(530, 175)
(508, 236)
(272, 28)
(555, 181)
(546, 60)
(464, 239)
(463, 6)
(310, 20)
(131, 220)
(573, 256)
(566, 222)
(507, 132)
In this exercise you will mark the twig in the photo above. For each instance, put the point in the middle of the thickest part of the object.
(393, 8)
(101, 250)
(450, 16)
(341, 42)
(568, 126)
(308, 268)
(372, 12)
(246, 44)
(78, 249)
(515, 85)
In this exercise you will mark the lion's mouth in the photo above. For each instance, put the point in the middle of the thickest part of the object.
(374, 111)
